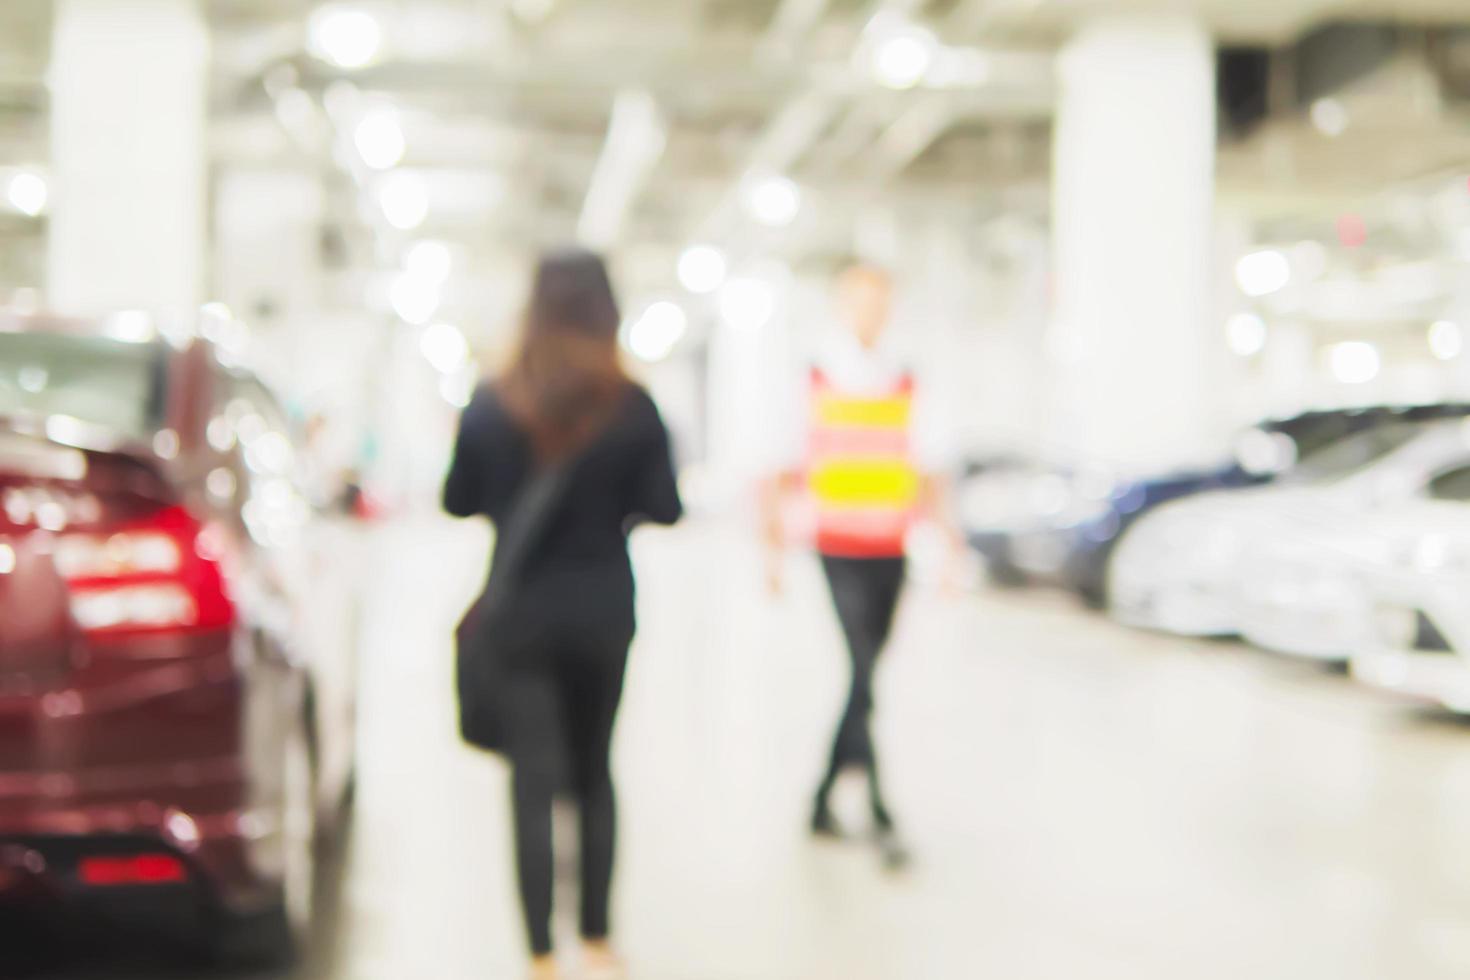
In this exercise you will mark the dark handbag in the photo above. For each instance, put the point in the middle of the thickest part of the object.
(478, 664)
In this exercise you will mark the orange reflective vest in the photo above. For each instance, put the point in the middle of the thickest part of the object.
(861, 473)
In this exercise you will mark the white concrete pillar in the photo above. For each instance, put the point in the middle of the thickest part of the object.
(128, 155)
(754, 374)
(1132, 200)
(267, 246)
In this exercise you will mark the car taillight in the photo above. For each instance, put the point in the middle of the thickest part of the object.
(88, 556)
(135, 869)
(157, 573)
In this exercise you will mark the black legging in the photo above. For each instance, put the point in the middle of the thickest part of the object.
(561, 701)
(865, 592)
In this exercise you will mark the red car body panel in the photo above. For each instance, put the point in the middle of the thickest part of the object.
(144, 739)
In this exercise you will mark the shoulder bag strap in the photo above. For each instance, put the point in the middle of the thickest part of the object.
(521, 530)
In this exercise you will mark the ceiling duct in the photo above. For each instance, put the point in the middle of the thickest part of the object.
(1449, 53)
(1333, 57)
(1253, 83)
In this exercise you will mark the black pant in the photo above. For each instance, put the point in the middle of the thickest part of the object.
(563, 688)
(865, 592)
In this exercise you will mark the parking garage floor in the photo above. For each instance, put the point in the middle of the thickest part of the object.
(1083, 801)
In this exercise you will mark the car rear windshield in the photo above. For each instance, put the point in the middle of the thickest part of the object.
(103, 382)
(1349, 454)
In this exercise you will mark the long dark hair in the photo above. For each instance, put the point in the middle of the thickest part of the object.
(566, 376)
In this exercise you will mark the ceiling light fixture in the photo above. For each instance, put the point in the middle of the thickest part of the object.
(772, 200)
(902, 59)
(458, 388)
(702, 268)
(429, 260)
(1246, 334)
(1446, 340)
(404, 200)
(379, 138)
(27, 193)
(345, 36)
(654, 335)
(1263, 272)
(1330, 117)
(1354, 362)
(415, 300)
(444, 347)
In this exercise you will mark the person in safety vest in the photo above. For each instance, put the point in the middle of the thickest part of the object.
(866, 449)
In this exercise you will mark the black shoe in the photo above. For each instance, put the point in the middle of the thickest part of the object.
(824, 824)
(894, 853)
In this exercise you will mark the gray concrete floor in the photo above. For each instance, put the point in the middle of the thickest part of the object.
(1084, 801)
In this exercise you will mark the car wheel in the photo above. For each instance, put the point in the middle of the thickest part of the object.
(277, 935)
(1004, 575)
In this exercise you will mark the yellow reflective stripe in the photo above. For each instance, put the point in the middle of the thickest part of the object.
(884, 413)
(856, 481)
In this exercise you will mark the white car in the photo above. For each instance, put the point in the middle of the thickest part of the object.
(1323, 591)
(1418, 638)
(1211, 564)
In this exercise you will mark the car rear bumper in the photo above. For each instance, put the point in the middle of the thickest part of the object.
(152, 759)
(1438, 678)
(50, 836)
(50, 868)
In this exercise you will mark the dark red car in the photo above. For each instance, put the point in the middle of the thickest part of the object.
(172, 733)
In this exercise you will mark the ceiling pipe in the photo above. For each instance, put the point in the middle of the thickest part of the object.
(788, 136)
(636, 136)
(792, 22)
(911, 134)
(794, 130)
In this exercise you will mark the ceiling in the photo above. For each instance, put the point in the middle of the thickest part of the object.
(506, 107)
(640, 118)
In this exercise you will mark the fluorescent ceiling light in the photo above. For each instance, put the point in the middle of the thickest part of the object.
(444, 347)
(1246, 334)
(1446, 340)
(429, 260)
(655, 334)
(345, 36)
(1330, 117)
(901, 60)
(773, 200)
(1354, 362)
(414, 299)
(379, 138)
(27, 193)
(1263, 272)
(404, 200)
(702, 268)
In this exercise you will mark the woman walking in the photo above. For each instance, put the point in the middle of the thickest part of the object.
(562, 643)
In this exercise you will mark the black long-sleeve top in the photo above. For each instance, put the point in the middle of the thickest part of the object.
(623, 477)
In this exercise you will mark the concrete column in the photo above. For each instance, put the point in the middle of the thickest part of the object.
(1132, 202)
(267, 247)
(128, 155)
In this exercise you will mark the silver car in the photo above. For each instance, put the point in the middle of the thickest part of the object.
(1228, 562)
